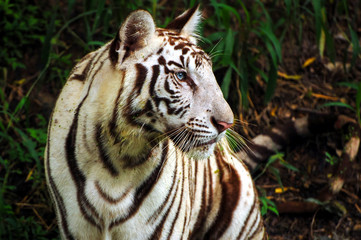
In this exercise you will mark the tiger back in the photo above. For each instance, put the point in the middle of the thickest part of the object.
(136, 143)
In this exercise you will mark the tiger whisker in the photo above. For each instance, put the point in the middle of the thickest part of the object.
(167, 134)
(240, 141)
(214, 47)
(163, 163)
(242, 122)
(237, 140)
(183, 139)
(217, 53)
(179, 136)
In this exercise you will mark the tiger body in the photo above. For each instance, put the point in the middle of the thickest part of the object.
(136, 146)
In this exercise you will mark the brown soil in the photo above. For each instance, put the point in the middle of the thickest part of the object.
(340, 217)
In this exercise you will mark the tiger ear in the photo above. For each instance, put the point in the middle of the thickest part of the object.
(135, 33)
(137, 30)
(187, 23)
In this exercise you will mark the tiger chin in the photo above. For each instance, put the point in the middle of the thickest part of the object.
(127, 133)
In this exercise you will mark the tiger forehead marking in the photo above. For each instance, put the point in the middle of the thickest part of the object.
(140, 153)
(185, 46)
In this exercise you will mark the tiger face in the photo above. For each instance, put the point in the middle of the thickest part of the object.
(175, 91)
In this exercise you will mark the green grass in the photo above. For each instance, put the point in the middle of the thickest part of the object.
(42, 41)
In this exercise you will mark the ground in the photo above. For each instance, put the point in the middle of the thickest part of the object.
(340, 217)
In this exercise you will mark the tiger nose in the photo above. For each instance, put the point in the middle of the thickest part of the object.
(220, 125)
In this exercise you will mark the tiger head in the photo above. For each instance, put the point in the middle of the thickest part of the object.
(171, 85)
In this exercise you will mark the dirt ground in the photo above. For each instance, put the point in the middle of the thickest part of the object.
(340, 216)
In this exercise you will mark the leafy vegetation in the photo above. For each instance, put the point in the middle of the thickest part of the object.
(42, 40)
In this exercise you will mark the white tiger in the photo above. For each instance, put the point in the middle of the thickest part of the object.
(136, 146)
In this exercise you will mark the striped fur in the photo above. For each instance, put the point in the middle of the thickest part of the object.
(136, 146)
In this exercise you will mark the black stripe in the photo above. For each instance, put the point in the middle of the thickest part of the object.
(175, 63)
(114, 46)
(257, 220)
(140, 79)
(180, 46)
(108, 198)
(182, 59)
(190, 176)
(160, 51)
(184, 51)
(184, 112)
(55, 192)
(167, 87)
(162, 61)
(132, 114)
(88, 211)
(84, 135)
(202, 214)
(159, 229)
(195, 179)
(77, 175)
(180, 202)
(115, 115)
(159, 210)
(242, 232)
(210, 195)
(104, 157)
(191, 83)
(153, 80)
(259, 228)
(84, 74)
(167, 102)
(230, 194)
(187, 62)
(143, 190)
(79, 77)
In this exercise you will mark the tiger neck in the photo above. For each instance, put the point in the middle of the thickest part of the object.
(131, 145)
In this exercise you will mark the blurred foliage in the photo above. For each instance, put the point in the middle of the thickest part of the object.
(41, 40)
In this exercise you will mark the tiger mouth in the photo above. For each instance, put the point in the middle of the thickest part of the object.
(206, 143)
(188, 140)
(192, 144)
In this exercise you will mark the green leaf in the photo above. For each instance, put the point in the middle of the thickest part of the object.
(271, 84)
(337, 104)
(355, 45)
(288, 166)
(358, 103)
(20, 105)
(45, 50)
(96, 43)
(230, 9)
(38, 134)
(274, 210)
(288, 4)
(226, 82)
(228, 50)
(267, 31)
(99, 11)
(29, 144)
(348, 84)
(246, 12)
(275, 172)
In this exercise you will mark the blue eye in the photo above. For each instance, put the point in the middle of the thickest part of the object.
(181, 75)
